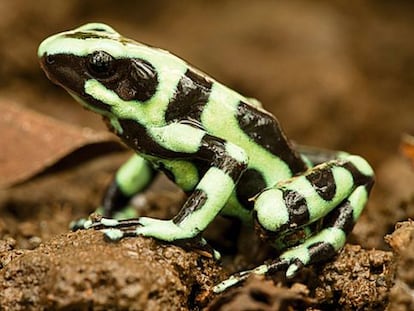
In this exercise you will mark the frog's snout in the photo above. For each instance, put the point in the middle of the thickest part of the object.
(47, 63)
(65, 70)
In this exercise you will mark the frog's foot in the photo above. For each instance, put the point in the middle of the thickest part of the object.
(265, 269)
(86, 223)
(317, 248)
(99, 222)
(96, 218)
(164, 230)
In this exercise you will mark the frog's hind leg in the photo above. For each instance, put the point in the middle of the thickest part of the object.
(304, 199)
(331, 238)
(333, 193)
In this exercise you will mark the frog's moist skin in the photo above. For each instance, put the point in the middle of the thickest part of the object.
(223, 149)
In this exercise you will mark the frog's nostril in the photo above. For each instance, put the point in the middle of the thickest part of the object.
(50, 60)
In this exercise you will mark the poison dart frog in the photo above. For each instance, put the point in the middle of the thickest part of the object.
(227, 153)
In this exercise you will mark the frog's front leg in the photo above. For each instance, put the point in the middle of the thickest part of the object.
(227, 162)
(333, 193)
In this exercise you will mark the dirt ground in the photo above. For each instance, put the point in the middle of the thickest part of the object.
(337, 74)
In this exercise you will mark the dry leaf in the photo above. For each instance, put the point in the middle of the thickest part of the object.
(31, 142)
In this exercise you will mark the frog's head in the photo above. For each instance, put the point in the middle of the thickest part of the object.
(98, 66)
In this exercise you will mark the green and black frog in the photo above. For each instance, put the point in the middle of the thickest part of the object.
(228, 154)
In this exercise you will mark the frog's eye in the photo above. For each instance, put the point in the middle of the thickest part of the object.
(101, 64)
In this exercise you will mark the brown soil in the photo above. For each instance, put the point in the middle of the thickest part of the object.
(78, 270)
(337, 74)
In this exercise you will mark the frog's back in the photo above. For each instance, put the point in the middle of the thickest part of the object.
(238, 119)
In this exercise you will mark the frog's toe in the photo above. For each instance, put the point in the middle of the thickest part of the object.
(113, 234)
(294, 268)
(79, 224)
(107, 223)
(103, 223)
(230, 282)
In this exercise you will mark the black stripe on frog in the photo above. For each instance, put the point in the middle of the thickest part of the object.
(191, 95)
(265, 131)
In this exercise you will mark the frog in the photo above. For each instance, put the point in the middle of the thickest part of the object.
(227, 153)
